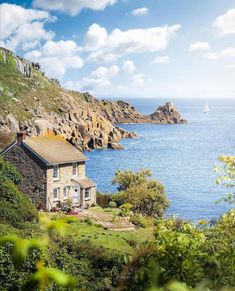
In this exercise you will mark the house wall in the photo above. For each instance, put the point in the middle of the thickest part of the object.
(81, 169)
(93, 196)
(33, 172)
(65, 179)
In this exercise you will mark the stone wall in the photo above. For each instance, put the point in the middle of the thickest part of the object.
(93, 196)
(33, 172)
(64, 180)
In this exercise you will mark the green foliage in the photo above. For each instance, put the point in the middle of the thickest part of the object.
(15, 207)
(103, 200)
(138, 220)
(147, 196)
(125, 209)
(112, 204)
(119, 198)
(187, 253)
(125, 179)
(228, 177)
(41, 275)
(8, 172)
(179, 251)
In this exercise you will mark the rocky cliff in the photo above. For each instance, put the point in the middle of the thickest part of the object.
(29, 101)
(122, 112)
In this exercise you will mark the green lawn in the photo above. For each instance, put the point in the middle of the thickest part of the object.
(122, 241)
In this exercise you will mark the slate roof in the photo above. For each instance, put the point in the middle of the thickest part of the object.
(53, 149)
(84, 182)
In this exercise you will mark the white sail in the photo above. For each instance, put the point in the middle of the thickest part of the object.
(206, 108)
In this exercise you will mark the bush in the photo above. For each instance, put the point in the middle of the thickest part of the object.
(112, 204)
(125, 209)
(138, 220)
(8, 172)
(103, 199)
(15, 207)
(119, 198)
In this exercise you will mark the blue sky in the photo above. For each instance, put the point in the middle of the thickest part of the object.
(128, 48)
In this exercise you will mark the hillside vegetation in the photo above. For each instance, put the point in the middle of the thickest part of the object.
(159, 252)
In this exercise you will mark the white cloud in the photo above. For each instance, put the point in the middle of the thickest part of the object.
(225, 23)
(137, 80)
(199, 46)
(211, 55)
(228, 52)
(99, 78)
(161, 60)
(140, 11)
(118, 43)
(230, 67)
(56, 57)
(20, 26)
(128, 67)
(96, 37)
(73, 6)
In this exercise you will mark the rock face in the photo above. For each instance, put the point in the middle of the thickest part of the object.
(35, 103)
(122, 112)
(167, 114)
(24, 66)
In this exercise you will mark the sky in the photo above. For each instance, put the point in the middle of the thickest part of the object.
(128, 48)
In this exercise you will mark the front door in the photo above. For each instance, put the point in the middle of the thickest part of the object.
(76, 196)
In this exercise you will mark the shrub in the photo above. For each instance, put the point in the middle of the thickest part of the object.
(103, 199)
(119, 198)
(9, 172)
(125, 209)
(138, 220)
(112, 204)
(15, 207)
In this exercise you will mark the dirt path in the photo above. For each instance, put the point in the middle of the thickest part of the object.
(108, 220)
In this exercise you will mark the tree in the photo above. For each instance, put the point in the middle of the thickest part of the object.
(147, 196)
(228, 177)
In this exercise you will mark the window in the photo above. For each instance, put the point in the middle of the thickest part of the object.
(66, 192)
(56, 172)
(56, 194)
(87, 194)
(75, 169)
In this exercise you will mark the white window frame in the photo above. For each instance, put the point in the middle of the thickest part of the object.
(56, 169)
(66, 192)
(75, 169)
(57, 198)
(89, 193)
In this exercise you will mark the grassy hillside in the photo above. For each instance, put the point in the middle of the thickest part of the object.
(21, 94)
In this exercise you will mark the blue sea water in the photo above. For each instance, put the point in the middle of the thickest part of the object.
(180, 156)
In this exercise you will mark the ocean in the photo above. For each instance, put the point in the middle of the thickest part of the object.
(182, 157)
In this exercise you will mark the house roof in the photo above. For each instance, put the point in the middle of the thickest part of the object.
(84, 182)
(53, 149)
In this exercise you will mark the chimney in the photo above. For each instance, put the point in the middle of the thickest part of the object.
(20, 137)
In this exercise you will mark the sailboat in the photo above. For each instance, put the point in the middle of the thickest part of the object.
(206, 108)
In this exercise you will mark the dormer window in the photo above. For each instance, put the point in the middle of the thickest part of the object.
(75, 169)
(56, 173)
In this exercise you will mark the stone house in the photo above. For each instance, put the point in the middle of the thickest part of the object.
(53, 171)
